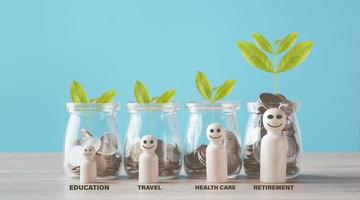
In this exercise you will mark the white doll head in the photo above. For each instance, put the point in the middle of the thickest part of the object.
(215, 133)
(274, 120)
(148, 143)
(88, 151)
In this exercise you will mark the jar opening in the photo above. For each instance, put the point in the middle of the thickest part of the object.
(92, 107)
(164, 107)
(218, 105)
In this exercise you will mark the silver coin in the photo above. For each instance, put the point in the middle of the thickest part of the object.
(201, 154)
(135, 152)
(233, 161)
(110, 138)
(288, 107)
(281, 97)
(160, 150)
(107, 149)
(293, 149)
(232, 143)
(85, 133)
(100, 164)
(289, 129)
(269, 99)
(233, 151)
(173, 153)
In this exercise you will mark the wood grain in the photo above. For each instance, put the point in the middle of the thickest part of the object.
(40, 176)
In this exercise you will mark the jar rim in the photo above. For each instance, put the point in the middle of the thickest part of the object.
(92, 107)
(252, 106)
(167, 107)
(208, 106)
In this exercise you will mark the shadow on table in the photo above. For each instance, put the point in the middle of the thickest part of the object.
(319, 179)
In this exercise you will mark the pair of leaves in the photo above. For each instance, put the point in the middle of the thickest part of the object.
(142, 95)
(215, 93)
(291, 59)
(78, 95)
(282, 44)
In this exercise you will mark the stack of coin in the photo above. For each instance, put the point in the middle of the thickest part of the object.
(233, 150)
(108, 158)
(169, 156)
(256, 130)
(195, 161)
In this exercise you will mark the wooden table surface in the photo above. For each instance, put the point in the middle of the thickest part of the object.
(41, 176)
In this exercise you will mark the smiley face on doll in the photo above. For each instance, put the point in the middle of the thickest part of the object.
(215, 133)
(88, 151)
(148, 143)
(274, 120)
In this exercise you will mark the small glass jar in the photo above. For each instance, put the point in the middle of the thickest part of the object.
(255, 131)
(202, 114)
(96, 125)
(160, 121)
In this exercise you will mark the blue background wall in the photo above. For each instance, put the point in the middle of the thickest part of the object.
(44, 45)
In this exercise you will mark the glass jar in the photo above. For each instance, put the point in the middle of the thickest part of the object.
(202, 114)
(160, 121)
(255, 131)
(94, 124)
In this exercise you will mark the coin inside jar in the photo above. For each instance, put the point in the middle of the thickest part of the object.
(107, 157)
(256, 130)
(169, 157)
(195, 161)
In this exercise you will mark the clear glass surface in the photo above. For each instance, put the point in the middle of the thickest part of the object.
(202, 114)
(94, 124)
(158, 120)
(255, 131)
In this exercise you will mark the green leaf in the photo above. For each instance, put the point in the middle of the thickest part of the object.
(167, 96)
(262, 42)
(73, 93)
(203, 86)
(141, 93)
(295, 56)
(224, 90)
(107, 97)
(77, 93)
(255, 57)
(287, 42)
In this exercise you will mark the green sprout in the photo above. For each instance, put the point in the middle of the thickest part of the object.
(212, 94)
(142, 95)
(260, 60)
(78, 95)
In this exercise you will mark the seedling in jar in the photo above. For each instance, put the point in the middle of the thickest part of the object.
(258, 58)
(212, 94)
(78, 95)
(142, 95)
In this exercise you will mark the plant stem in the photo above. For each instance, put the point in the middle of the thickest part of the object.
(275, 69)
(275, 82)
